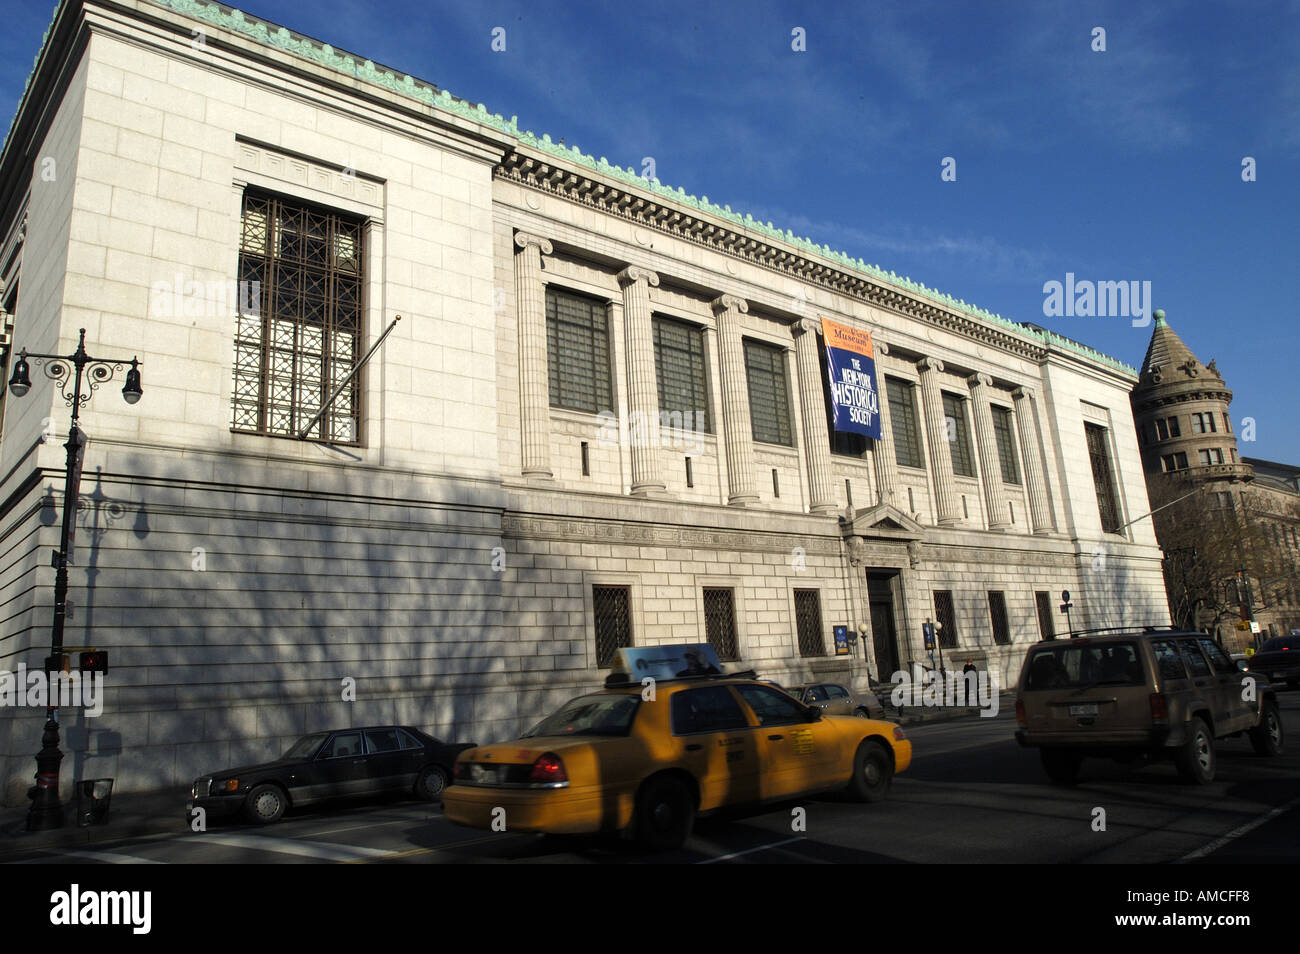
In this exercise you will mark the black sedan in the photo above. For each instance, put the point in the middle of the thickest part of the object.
(1278, 660)
(338, 763)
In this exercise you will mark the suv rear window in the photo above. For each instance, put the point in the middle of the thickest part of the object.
(1072, 666)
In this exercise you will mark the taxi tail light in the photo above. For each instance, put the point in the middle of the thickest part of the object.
(1021, 718)
(548, 768)
(460, 770)
(899, 734)
(1159, 708)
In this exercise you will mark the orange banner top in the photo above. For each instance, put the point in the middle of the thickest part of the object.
(846, 338)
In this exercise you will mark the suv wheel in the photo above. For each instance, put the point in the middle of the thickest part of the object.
(1061, 765)
(1195, 760)
(1266, 738)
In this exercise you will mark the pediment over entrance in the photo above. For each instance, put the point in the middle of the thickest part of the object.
(883, 520)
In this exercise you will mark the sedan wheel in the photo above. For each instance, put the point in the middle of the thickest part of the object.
(431, 783)
(265, 804)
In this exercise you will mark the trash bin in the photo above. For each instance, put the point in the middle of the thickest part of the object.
(93, 797)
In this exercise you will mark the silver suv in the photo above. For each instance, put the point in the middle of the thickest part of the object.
(1135, 694)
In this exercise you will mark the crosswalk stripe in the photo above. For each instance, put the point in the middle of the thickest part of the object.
(325, 851)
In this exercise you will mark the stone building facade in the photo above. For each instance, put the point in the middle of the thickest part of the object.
(1245, 512)
(601, 418)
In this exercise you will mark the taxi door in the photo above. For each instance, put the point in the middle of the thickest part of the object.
(797, 755)
(715, 742)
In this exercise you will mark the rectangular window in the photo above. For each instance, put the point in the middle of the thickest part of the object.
(720, 622)
(1227, 424)
(998, 614)
(1198, 423)
(1174, 429)
(1212, 456)
(1006, 444)
(577, 352)
(1043, 602)
(902, 418)
(1162, 430)
(298, 330)
(1103, 477)
(613, 621)
(808, 620)
(679, 364)
(954, 412)
(947, 616)
(769, 397)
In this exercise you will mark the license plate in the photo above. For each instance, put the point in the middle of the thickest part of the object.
(1084, 710)
(484, 773)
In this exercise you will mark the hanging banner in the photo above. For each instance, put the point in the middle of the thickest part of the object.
(851, 367)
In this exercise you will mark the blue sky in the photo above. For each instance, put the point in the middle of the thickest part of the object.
(1116, 165)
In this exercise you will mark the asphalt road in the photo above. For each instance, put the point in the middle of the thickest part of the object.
(971, 795)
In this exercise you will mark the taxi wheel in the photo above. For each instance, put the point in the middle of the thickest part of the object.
(872, 772)
(431, 784)
(665, 814)
(265, 804)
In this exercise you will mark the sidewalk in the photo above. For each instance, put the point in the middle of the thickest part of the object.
(130, 816)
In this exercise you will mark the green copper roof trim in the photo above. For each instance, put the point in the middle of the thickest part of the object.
(406, 85)
(32, 75)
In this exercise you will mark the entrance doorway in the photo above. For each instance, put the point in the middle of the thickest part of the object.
(884, 634)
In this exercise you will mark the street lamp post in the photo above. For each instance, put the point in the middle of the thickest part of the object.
(46, 811)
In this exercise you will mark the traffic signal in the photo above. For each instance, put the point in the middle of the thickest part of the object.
(95, 660)
(59, 663)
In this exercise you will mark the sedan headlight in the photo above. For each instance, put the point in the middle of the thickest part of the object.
(224, 786)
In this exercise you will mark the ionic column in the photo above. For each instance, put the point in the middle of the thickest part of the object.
(995, 498)
(936, 434)
(882, 455)
(812, 406)
(642, 384)
(1031, 449)
(735, 402)
(534, 385)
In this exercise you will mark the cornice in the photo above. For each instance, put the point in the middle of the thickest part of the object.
(567, 171)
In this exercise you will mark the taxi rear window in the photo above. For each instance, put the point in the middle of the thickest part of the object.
(590, 715)
(1072, 666)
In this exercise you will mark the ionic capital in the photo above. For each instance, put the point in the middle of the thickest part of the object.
(728, 303)
(525, 239)
(635, 273)
(980, 379)
(929, 364)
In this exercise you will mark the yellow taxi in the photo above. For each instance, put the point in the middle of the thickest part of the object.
(644, 756)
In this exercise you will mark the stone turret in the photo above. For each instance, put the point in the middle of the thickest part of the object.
(1180, 407)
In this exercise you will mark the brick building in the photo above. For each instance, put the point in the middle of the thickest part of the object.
(601, 419)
